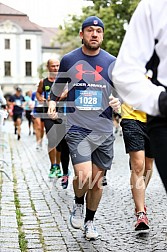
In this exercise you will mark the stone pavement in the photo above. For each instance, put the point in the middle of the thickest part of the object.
(35, 211)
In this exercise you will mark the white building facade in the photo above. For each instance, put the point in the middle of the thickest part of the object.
(21, 50)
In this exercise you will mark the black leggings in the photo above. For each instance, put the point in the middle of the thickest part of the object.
(65, 156)
(29, 117)
(158, 137)
(55, 131)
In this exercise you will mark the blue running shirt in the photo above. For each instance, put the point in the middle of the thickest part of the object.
(89, 88)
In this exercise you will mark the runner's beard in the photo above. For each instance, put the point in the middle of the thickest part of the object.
(91, 47)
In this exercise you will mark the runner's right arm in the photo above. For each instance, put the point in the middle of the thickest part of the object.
(39, 92)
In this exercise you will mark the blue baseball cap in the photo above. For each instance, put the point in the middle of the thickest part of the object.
(92, 21)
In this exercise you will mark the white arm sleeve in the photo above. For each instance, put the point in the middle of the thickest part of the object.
(129, 72)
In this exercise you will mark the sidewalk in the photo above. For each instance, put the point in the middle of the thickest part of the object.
(35, 210)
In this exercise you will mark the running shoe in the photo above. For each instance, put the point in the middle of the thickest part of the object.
(77, 216)
(90, 231)
(58, 171)
(142, 222)
(15, 130)
(38, 147)
(52, 172)
(64, 181)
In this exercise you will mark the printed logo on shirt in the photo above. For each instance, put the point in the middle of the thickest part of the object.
(47, 88)
(81, 72)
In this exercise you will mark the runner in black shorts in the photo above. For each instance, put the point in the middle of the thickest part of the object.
(53, 126)
(136, 136)
(17, 100)
(137, 144)
(56, 128)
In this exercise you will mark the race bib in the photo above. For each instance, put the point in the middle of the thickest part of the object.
(18, 102)
(88, 99)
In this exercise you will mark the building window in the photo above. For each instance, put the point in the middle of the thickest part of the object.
(28, 44)
(7, 68)
(28, 68)
(7, 43)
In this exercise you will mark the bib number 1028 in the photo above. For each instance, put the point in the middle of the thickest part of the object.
(88, 100)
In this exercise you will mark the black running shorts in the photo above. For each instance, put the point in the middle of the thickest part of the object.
(136, 136)
(16, 116)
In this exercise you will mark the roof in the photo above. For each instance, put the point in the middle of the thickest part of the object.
(6, 10)
(22, 20)
(47, 37)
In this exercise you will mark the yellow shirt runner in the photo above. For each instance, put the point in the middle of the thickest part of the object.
(127, 112)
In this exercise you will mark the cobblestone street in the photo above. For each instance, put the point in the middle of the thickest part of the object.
(35, 210)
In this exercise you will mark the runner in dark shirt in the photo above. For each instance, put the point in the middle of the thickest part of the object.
(57, 148)
(89, 119)
(17, 100)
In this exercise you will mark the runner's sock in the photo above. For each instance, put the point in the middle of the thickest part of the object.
(52, 165)
(89, 215)
(79, 200)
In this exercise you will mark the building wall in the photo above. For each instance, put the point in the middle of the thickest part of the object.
(18, 55)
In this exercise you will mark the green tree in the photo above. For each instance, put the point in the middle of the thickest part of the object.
(115, 15)
(42, 70)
